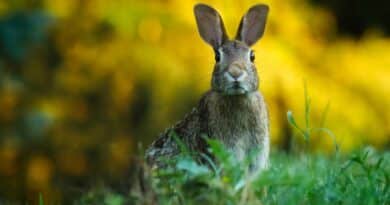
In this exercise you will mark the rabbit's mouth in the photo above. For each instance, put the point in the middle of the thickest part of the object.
(236, 88)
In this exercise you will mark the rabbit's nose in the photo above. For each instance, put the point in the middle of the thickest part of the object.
(235, 71)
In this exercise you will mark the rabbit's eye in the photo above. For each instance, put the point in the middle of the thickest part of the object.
(252, 56)
(217, 56)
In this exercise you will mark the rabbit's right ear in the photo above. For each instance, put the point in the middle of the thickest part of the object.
(210, 25)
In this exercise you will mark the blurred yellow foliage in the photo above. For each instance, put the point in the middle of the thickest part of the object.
(39, 172)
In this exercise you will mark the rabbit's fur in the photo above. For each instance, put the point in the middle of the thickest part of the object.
(233, 111)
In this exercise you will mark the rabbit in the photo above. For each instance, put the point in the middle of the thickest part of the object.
(233, 111)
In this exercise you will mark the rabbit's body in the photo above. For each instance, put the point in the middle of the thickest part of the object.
(240, 122)
(233, 111)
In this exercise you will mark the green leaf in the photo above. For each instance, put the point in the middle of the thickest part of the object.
(114, 199)
(40, 199)
(193, 168)
(291, 120)
(219, 150)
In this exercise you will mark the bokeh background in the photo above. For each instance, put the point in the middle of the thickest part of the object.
(84, 84)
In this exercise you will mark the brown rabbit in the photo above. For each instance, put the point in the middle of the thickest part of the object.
(233, 111)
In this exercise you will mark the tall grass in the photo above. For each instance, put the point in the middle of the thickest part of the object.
(361, 177)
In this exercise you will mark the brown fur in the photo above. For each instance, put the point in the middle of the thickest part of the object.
(239, 122)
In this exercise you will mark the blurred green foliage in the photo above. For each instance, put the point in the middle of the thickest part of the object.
(83, 82)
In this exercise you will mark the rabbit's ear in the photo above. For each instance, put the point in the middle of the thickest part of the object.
(210, 25)
(252, 24)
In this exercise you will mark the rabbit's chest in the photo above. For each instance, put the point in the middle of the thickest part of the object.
(240, 133)
(238, 122)
(237, 128)
(236, 131)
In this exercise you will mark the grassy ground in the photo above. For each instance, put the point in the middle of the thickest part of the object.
(361, 177)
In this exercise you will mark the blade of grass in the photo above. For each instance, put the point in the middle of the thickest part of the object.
(307, 106)
(40, 199)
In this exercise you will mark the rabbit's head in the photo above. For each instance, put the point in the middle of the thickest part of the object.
(234, 72)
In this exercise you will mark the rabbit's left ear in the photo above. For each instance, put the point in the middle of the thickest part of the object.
(252, 24)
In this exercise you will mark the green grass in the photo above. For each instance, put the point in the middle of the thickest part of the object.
(361, 177)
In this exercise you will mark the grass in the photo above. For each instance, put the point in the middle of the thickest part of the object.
(361, 177)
